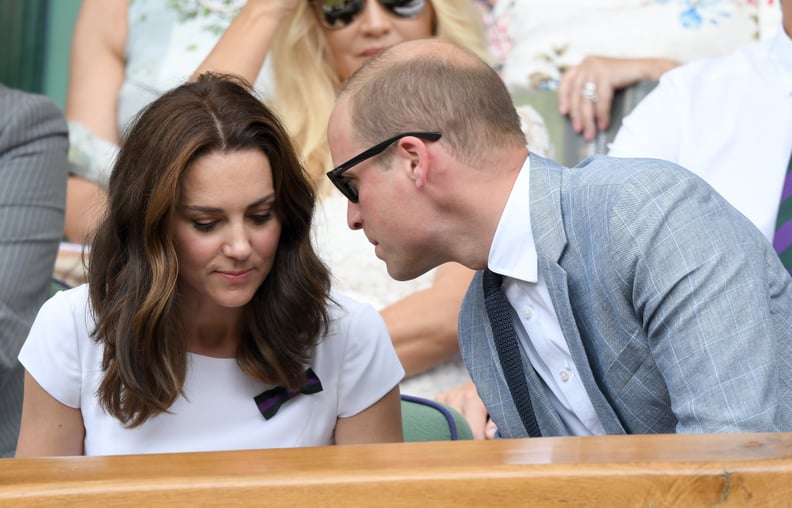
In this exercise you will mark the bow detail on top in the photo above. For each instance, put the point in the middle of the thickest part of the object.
(270, 401)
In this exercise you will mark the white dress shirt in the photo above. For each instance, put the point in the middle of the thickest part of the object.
(729, 120)
(513, 255)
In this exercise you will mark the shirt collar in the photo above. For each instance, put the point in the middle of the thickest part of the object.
(781, 52)
(513, 252)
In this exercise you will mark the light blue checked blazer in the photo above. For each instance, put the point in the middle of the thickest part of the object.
(677, 311)
(33, 170)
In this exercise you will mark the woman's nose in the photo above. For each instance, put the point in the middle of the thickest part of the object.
(374, 20)
(237, 244)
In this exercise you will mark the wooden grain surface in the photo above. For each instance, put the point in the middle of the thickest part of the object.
(653, 471)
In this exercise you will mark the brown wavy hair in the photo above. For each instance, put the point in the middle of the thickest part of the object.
(134, 269)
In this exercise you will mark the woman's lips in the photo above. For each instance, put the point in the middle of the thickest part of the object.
(371, 52)
(236, 276)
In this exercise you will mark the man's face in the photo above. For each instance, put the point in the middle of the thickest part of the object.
(388, 208)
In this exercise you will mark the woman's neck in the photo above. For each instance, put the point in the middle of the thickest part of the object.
(216, 332)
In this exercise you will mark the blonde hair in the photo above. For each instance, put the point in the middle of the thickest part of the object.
(306, 84)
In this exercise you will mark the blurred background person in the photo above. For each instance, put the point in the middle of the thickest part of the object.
(729, 120)
(33, 169)
(589, 49)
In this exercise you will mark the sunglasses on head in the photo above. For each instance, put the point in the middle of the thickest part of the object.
(336, 14)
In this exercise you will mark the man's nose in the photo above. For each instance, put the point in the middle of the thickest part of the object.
(354, 218)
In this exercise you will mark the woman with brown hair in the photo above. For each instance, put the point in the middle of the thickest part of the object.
(207, 310)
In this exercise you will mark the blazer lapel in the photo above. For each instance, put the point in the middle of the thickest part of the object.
(551, 243)
(481, 357)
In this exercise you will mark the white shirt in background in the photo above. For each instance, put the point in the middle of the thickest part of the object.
(729, 120)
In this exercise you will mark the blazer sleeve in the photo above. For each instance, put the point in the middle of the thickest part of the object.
(702, 285)
(33, 172)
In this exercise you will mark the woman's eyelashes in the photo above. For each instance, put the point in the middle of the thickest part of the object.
(206, 225)
(261, 218)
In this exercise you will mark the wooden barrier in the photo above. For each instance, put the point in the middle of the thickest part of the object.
(652, 470)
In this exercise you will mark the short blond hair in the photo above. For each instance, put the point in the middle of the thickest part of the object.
(434, 86)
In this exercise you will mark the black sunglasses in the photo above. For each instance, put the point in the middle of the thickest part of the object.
(336, 14)
(343, 184)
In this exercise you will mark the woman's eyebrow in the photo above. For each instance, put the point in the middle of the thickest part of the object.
(202, 209)
(211, 209)
(263, 201)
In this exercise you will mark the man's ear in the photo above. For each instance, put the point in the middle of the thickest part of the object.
(416, 158)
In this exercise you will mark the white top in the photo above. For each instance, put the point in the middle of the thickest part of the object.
(729, 120)
(359, 273)
(355, 363)
(536, 39)
(513, 255)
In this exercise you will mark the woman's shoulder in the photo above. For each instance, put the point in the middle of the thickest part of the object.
(68, 305)
(353, 321)
(343, 306)
(76, 297)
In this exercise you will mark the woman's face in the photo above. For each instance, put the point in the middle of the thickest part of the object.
(225, 231)
(371, 31)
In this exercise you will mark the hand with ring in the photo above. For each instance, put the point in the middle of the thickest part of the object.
(589, 91)
(585, 91)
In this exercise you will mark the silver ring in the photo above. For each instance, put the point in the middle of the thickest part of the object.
(589, 91)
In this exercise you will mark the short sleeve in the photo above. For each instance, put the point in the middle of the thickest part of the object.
(51, 351)
(370, 367)
(656, 125)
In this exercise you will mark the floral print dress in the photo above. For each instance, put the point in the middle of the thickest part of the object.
(533, 41)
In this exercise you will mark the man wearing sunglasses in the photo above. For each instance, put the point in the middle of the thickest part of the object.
(620, 296)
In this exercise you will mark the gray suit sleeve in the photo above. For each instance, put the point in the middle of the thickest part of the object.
(33, 171)
(701, 273)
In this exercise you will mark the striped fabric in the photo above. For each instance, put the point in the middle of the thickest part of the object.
(782, 241)
(33, 169)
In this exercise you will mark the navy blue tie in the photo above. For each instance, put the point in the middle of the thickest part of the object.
(509, 350)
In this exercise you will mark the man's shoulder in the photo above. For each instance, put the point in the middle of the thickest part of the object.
(19, 105)
(737, 64)
(619, 169)
(602, 170)
(24, 115)
(15, 98)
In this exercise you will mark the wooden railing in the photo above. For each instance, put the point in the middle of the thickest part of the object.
(655, 470)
